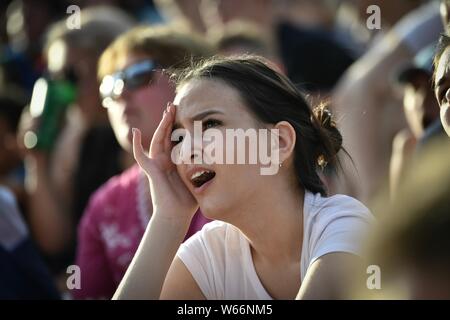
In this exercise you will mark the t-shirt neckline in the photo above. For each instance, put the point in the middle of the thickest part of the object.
(251, 270)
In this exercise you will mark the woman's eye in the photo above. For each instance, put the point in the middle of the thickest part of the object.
(207, 124)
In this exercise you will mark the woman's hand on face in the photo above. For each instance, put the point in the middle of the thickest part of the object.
(170, 197)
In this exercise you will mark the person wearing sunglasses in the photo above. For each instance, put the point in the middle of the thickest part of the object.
(133, 77)
(135, 90)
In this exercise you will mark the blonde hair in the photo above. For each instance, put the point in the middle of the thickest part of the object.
(169, 47)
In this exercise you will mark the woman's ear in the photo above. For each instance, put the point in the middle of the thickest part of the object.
(286, 142)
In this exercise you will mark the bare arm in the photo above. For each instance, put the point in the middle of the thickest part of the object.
(145, 276)
(402, 151)
(50, 221)
(180, 285)
(174, 208)
(369, 115)
(331, 277)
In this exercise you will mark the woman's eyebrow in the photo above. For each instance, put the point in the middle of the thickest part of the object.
(201, 115)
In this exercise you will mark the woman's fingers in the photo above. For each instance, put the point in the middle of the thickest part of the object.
(168, 134)
(161, 142)
(138, 150)
(160, 137)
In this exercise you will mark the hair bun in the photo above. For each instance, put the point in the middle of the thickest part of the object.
(324, 118)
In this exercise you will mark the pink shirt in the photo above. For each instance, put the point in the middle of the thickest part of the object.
(110, 232)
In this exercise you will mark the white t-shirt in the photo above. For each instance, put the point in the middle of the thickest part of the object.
(220, 260)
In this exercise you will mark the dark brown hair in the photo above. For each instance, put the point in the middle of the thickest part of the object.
(272, 97)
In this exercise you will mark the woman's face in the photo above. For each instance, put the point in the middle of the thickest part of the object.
(222, 188)
(419, 104)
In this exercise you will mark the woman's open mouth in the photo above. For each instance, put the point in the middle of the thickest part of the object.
(201, 178)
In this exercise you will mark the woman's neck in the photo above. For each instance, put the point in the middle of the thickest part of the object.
(274, 223)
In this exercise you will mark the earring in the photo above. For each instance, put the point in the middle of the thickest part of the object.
(281, 164)
(322, 162)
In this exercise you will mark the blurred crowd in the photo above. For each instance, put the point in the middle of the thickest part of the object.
(71, 193)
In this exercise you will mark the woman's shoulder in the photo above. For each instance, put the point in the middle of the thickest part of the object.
(337, 223)
(215, 240)
(336, 205)
(337, 213)
(217, 232)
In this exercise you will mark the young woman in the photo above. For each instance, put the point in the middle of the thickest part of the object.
(275, 236)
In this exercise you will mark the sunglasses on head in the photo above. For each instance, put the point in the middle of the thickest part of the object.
(130, 78)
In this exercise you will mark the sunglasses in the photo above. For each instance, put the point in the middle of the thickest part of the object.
(130, 78)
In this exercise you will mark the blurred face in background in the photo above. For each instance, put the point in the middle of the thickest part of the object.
(140, 100)
(26, 22)
(419, 104)
(78, 66)
(442, 89)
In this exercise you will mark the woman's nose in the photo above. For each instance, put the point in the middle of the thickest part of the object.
(191, 149)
